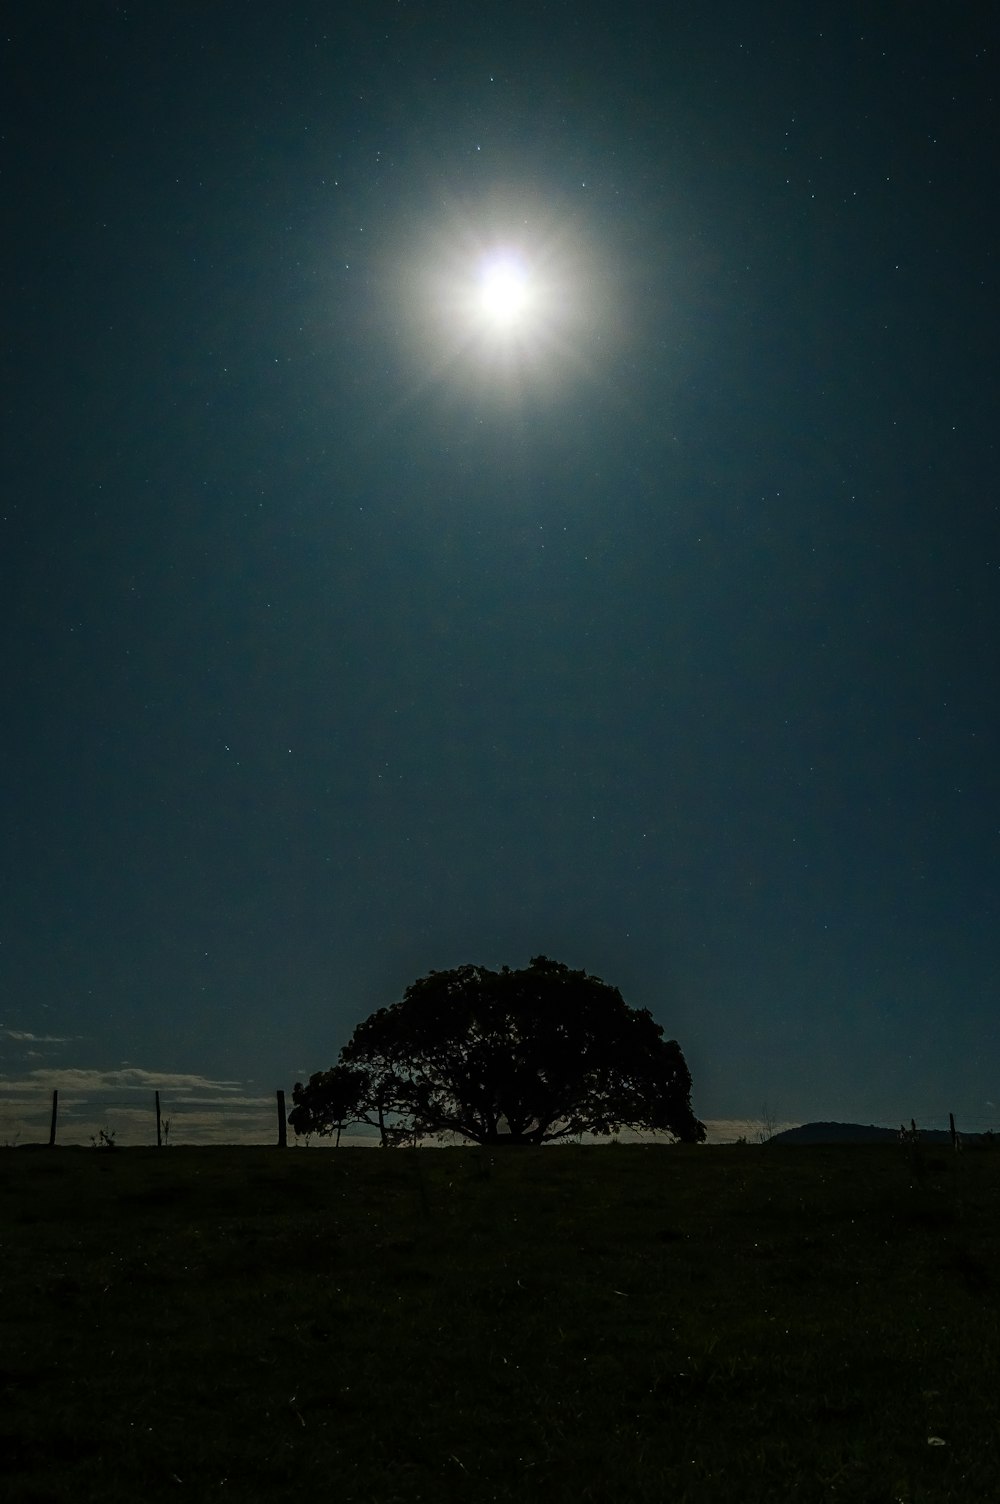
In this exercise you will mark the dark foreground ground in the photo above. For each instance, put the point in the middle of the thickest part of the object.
(589, 1324)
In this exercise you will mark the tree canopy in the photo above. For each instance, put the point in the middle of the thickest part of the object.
(520, 1057)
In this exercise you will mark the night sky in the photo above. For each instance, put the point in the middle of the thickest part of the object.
(348, 633)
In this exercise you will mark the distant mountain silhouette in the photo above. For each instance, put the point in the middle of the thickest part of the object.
(850, 1133)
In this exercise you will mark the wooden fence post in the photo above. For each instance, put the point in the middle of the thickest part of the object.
(282, 1126)
(159, 1131)
(951, 1127)
(52, 1125)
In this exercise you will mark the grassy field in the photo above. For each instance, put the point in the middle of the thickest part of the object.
(589, 1324)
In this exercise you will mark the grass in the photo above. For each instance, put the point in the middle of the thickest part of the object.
(587, 1324)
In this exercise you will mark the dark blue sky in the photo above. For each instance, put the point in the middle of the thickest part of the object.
(334, 653)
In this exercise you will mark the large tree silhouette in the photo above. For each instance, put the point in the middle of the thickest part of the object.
(518, 1057)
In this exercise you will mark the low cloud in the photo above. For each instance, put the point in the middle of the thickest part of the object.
(200, 1109)
(129, 1078)
(22, 1036)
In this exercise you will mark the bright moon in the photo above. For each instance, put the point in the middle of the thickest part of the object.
(507, 294)
(504, 291)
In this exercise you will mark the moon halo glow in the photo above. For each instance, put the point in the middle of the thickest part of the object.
(506, 298)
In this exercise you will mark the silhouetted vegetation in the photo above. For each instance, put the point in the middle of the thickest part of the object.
(513, 1057)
